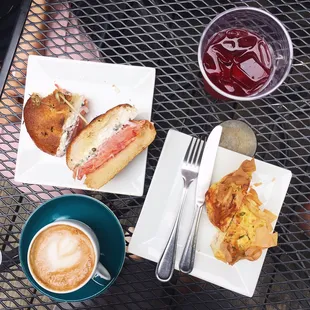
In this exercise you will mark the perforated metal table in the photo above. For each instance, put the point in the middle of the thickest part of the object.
(164, 34)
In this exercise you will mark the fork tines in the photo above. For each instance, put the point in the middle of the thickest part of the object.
(194, 151)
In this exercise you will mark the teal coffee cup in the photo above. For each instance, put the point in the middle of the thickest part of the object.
(72, 231)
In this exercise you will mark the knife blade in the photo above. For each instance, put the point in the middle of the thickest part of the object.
(207, 164)
(187, 260)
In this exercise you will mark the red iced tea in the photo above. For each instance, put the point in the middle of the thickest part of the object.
(238, 62)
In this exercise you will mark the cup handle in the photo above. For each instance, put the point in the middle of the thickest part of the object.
(102, 275)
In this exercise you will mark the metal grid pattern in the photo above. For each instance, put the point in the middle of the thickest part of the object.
(164, 34)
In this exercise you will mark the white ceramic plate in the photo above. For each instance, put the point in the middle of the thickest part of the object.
(162, 201)
(105, 86)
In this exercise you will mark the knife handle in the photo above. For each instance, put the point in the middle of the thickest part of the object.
(186, 264)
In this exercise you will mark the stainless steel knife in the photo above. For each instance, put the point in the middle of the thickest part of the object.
(203, 183)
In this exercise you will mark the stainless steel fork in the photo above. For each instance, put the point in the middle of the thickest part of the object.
(189, 170)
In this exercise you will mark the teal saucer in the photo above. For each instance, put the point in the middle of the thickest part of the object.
(99, 218)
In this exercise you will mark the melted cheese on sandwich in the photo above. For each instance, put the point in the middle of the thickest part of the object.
(71, 123)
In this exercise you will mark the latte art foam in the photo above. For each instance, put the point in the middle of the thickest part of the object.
(62, 257)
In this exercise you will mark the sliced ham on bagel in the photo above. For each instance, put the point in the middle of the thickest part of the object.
(107, 145)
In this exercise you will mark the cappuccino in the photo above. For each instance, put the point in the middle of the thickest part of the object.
(62, 258)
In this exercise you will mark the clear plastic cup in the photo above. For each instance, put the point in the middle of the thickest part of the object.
(266, 26)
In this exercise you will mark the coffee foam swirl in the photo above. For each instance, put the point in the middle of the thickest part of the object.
(62, 257)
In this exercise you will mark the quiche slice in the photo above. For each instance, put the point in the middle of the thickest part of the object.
(224, 198)
(249, 232)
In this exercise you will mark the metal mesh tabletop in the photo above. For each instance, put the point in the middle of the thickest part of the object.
(164, 34)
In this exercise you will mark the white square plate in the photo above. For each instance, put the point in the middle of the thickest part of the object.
(105, 86)
(162, 201)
